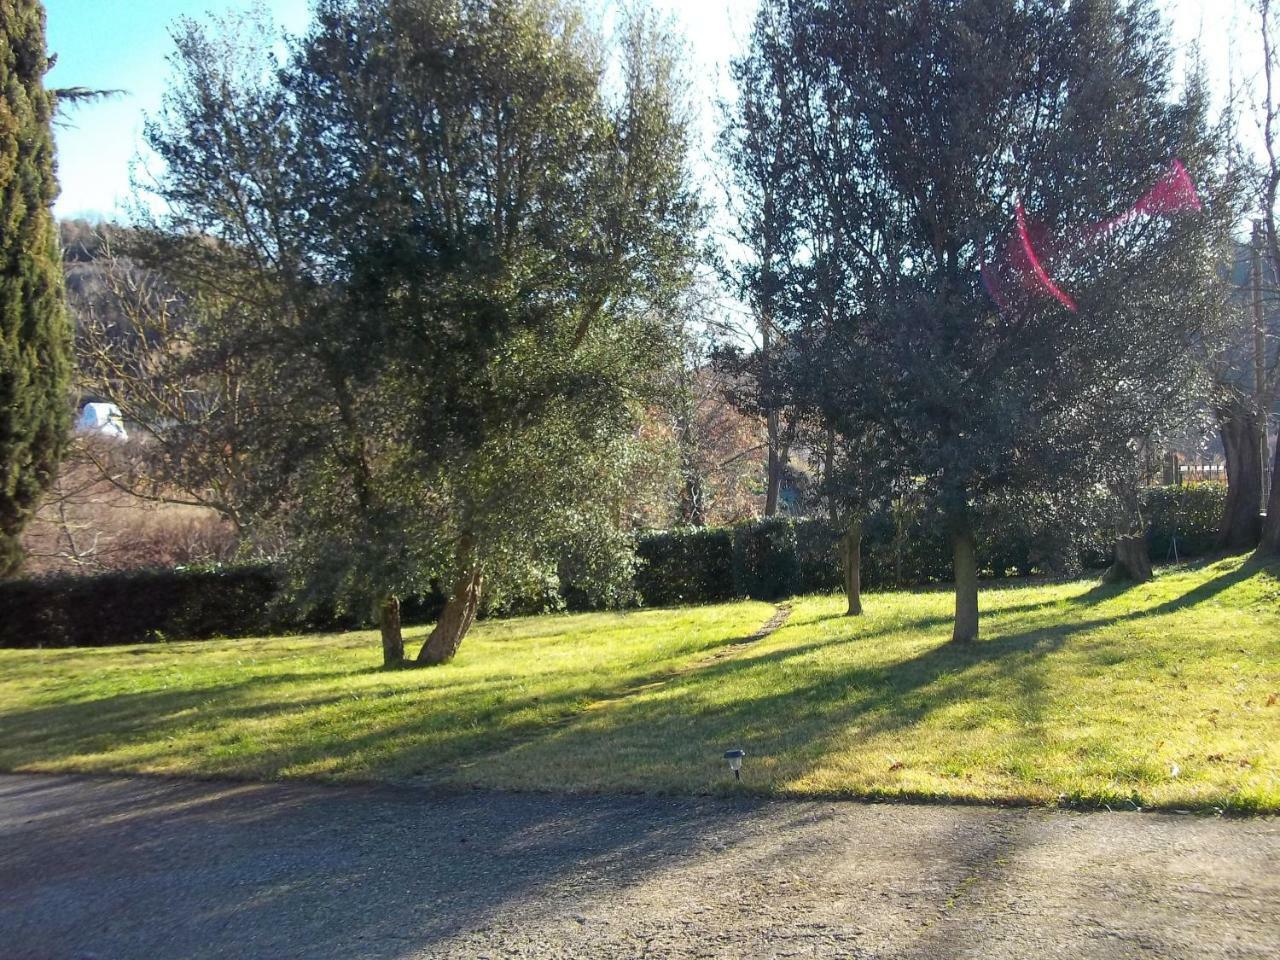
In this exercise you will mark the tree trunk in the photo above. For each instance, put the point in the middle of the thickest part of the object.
(1270, 543)
(1241, 437)
(773, 478)
(389, 624)
(1132, 560)
(692, 502)
(455, 620)
(965, 566)
(851, 555)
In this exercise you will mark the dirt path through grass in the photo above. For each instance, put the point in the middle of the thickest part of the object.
(179, 869)
(722, 653)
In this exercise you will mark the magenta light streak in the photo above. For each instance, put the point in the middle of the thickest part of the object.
(1041, 274)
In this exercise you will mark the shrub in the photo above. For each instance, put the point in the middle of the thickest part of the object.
(901, 548)
(149, 606)
(138, 606)
(818, 556)
(765, 561)
(685, 566)
(1191, 513)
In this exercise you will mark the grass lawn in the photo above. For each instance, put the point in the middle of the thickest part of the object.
(1159, 695)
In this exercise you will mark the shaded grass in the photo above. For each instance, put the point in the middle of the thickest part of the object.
(320, 706)
(1157, 695)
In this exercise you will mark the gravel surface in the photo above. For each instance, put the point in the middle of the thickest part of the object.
(154, 869)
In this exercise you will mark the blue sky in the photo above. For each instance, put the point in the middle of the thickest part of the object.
(108, 44)
(124, 44)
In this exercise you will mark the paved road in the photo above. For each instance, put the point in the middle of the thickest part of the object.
(149, 869)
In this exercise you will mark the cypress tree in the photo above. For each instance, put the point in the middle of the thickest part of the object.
(35, 337)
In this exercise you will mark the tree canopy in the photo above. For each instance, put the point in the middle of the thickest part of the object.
(919, 135)
(460, 231)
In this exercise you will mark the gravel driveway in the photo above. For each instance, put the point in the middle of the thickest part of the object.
(153, 869)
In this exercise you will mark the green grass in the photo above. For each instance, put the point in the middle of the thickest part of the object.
(1158, 695)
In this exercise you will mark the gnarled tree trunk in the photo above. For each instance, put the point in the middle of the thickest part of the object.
(459, 612)
(1132, 561)
(965, 566)
(389, 624)
(851, 558)
(1241, 439)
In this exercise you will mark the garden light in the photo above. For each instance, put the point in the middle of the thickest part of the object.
(735, 762)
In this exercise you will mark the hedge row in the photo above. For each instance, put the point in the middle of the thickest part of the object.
(765, 560)
(137, 606)
(149, 606)
(777, 557)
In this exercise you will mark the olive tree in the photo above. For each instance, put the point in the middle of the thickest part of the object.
(464, 228)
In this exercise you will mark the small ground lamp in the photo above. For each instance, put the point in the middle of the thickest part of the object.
(735, 762)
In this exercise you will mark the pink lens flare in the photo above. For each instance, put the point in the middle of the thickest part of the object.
(1173, 193)
(1031, 250)
(1037, 268)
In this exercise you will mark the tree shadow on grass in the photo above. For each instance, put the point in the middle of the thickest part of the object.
(218, 730)
(805, 720)
(549, 844)
(271, 725)
(799, 707)
(1248, 568)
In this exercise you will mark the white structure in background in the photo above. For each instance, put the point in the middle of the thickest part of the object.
(102, 420)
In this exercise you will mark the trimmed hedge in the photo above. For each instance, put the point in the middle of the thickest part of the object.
(765, 560)
(137, 606)
(685, 566)
(1191, 513)
(777, 557)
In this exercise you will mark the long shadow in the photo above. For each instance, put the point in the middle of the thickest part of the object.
(170, 869)
(1103, 591)
(181, 869)
(878, 699)
(466, 717)
(412, 873)
(1207, 591)
(812, 719)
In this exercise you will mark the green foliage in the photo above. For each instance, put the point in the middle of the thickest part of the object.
(35, 338)
(468, 288)
(1190, 513)
(817, 556)
(889, 148)
(903, 546)
(138, 606)
(685, 566)
(765, 562)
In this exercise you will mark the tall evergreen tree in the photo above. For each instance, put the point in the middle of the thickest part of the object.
(35, 339)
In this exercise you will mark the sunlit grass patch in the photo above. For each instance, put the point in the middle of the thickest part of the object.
(1158, 695)
(1154, 695)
